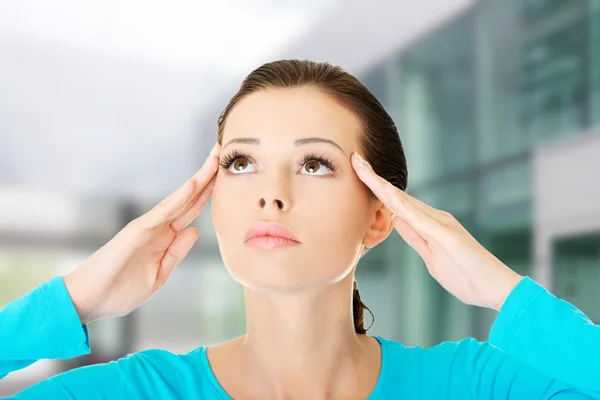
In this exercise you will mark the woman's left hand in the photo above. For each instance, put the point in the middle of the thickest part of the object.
(452, 256)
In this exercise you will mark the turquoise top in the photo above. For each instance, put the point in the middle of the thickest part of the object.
(540, 347)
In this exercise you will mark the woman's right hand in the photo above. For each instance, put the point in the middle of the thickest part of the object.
(136, 263)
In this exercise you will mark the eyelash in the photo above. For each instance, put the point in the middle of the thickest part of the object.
(230, 158)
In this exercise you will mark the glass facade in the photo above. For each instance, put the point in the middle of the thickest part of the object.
(436, 92)
(472, 100)
(594, 69)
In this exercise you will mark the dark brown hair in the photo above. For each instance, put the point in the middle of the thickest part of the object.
(379, 140)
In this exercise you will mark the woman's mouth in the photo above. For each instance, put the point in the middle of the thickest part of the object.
(269, 236)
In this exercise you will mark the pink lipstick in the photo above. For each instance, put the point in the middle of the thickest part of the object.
(269, 236)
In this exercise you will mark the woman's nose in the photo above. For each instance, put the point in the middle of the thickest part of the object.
(274, 190)
(273, 202)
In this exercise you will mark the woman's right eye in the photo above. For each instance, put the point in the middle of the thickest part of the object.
(240, 166)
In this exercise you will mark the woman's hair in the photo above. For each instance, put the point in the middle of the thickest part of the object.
(378, 139)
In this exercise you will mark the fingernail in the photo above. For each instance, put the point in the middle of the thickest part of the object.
(363, 163)
(214, 152)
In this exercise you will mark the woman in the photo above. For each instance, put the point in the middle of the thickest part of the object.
(308, 173)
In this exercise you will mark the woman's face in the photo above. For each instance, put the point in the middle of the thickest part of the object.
(264, 177)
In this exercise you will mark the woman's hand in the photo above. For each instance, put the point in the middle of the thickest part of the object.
(453, 257)
(132, 266)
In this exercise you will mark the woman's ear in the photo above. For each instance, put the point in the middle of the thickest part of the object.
(381, 226)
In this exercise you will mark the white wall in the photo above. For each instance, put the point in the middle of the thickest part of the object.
(566, 195)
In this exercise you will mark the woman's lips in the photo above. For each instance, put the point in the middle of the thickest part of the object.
(270, 242)
(270, 235)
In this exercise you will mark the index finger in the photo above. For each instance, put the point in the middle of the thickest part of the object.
(178, 201)
(401, 204)
(377, 184)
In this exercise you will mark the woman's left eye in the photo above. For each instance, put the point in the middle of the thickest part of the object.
(315, 167)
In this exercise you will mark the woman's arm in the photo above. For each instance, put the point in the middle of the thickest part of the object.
(550, 334)
(100, 381)
(547, 333)
(470, 369)
(50, 321)
(42, 324)
(494, 374)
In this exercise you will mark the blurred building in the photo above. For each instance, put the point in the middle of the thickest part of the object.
(497, 103)
(499, 112)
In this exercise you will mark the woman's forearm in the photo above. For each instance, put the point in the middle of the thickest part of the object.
(550, 334)
(42, 324)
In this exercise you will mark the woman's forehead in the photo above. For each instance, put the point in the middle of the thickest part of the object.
(290, 115)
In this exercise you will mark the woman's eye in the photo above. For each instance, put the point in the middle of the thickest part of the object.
(240, 165)
(314, 167)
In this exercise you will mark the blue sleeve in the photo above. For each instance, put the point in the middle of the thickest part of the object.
(550, 334)
(470, 369)
(100, 381)
(494, 374)
(42, 324)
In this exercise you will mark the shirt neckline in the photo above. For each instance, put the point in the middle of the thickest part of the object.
(376, 393)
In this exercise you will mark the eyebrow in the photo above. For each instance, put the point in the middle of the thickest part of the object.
(297, 143)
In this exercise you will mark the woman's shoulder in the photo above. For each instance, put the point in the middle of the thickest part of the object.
(442, 353)
(446, 346)
(165, 371)
(156, 359)
(427, 371)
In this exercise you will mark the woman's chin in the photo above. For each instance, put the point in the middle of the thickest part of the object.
(279, 281)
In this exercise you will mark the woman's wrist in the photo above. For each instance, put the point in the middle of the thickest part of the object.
(83, 311)
(507, 284)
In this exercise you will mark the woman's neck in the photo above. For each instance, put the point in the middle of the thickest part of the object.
(303, 345)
